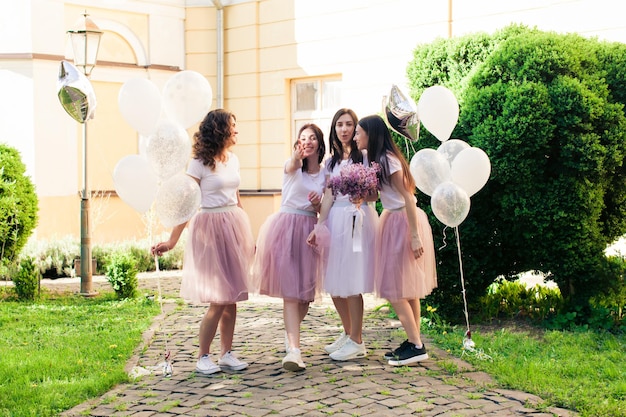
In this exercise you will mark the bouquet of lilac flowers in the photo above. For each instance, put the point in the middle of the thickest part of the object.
(356, 180)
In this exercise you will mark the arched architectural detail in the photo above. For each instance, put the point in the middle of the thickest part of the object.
(128, 35)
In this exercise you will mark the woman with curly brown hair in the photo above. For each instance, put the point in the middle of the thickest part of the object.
(220, 246)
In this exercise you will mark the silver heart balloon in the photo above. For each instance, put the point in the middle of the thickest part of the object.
(76, 93)
(402, 115)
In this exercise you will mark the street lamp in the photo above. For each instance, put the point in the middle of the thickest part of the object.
(85, 39)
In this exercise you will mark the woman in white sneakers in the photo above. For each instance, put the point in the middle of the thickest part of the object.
(405, 254)
(349, 272)
(220, 245)
(285, 265)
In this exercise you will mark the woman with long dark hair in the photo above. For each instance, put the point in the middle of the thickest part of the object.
(405, 253)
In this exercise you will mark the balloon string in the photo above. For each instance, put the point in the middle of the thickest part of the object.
(443, 232)
(408, 142)
(413, 147)
(167, 367)
(458, 245)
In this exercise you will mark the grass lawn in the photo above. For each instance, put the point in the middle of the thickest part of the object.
(59, 352)
(583, 371)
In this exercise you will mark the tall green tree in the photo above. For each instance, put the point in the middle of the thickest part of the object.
(18, 205)
(548, 109)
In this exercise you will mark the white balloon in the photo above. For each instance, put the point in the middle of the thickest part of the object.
(429, 169)
(438, 109)
(142, 145)
(450, 204)
(139, 101)
(187, 97)
(135, 182)
(451, 148)
(178, 200)
(168, 149)
(471, 169)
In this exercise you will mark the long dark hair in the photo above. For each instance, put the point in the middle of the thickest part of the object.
(379, 144)
(213, 136)
(321, 149)
(336, 150)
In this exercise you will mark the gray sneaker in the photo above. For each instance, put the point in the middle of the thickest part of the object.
(349, 350)
(293, 360)
(205, 366)
(229, 361)
(337, 344)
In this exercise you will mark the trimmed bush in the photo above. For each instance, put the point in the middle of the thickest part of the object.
(18, 205)
(121, 272)
(548, 109)
(27, 280)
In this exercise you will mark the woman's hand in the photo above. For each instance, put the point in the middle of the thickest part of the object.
(160, 248)
(315, 199)
(416, 246)
(310, 240)
(298, 153)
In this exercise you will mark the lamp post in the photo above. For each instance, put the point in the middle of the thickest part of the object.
(85, 37)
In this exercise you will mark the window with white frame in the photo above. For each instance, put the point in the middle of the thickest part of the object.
(314, 100)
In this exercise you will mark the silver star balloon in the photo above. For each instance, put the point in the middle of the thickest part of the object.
(401, 114)
(76, 93)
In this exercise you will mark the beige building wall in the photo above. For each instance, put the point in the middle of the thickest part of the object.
(268, 45)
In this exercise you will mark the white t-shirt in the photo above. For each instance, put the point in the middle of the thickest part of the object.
(218, 186)
(390, 197)
(298, 184)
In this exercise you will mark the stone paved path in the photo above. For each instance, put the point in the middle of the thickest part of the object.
(440, 386)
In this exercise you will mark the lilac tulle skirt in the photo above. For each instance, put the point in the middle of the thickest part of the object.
(398, 274)
(285, 265)
(218, 257)
(351, 258)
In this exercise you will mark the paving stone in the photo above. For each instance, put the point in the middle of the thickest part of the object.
(366, 387)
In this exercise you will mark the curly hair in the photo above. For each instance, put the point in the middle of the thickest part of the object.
(321, 150)
(213, 136)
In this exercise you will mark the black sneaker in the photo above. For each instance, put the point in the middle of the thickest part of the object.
(409, 354)
(392, 353)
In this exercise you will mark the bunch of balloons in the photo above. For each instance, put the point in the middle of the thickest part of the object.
(156, 175)
(454, 171)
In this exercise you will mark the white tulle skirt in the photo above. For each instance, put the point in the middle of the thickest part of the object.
(218, 257)
(398, 274)
(350, 261)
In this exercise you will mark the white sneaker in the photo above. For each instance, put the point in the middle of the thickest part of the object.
(229, 361)
(349, 350)
(337, 344)
(205, 366)
(293, 360)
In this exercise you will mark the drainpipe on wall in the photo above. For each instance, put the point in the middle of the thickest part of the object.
(220, 53)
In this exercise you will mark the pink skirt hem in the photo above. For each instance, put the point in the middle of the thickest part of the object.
(218, 257)
(398, 274)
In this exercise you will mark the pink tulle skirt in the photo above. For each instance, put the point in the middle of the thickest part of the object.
(398, 274)
(285, 265)
(350, 272)
(218, 257)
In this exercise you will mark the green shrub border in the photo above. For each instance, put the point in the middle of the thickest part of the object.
(55, 258)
